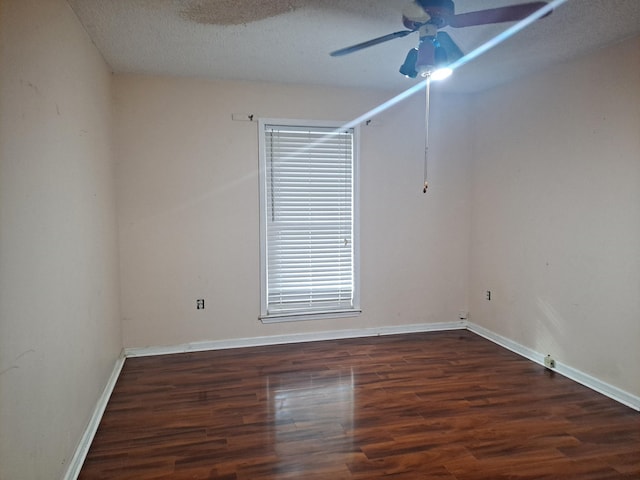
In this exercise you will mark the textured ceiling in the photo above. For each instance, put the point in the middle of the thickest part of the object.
(289, 40)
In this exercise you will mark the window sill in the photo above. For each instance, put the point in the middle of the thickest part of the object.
(299, 317)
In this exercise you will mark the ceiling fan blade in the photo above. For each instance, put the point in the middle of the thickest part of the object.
(370, 43)
(453, 51)
(510, 13)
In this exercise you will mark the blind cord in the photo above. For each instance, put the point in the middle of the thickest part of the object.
(426, 134)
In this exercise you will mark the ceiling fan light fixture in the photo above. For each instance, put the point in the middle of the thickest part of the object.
(408, 68)
(440, 68)
(441, 73)
(432, 58)
(441, 58)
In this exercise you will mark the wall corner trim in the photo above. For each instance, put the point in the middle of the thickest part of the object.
(574, 374)
(75, 465)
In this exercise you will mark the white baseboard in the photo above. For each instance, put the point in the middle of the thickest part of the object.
(574, 374)
(76, 462)
(292, 338)
(75, 465)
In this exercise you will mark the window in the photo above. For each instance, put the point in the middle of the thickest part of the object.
(308, 229)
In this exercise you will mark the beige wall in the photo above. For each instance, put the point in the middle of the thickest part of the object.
(556, 213)
(188, 208)
(59, 313)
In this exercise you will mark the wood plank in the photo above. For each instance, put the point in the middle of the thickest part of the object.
(438, 405)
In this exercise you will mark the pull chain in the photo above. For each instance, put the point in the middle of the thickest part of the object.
(426, 133)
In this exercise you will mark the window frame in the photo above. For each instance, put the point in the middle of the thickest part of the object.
(355, 310)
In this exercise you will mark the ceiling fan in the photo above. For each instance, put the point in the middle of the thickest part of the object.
(436, 48)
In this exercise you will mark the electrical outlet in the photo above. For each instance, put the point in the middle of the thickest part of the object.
(549, 362)
(200, 304)
(488, 295)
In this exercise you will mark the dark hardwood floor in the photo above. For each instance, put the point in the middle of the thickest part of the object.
(442, 405)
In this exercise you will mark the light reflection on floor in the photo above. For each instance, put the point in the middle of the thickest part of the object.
(310, 408)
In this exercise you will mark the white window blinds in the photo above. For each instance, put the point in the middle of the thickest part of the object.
(308, 209)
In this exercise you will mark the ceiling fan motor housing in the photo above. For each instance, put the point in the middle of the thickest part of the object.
(446, 5)
(438, 10)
